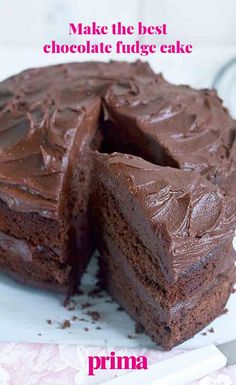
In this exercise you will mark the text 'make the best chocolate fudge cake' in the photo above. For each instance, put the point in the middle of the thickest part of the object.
(164, 229)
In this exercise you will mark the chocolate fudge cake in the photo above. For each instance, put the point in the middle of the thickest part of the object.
(49, 121)
(174, 126)
(164, 233)
(165, 238)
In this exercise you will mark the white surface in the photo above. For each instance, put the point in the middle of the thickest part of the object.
(179, 370)
(202, 22)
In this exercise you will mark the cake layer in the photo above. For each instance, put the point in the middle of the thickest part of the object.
(184, 321)
(37, 265)
(173, 126)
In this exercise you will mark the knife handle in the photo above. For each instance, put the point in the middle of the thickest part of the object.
(178, 370)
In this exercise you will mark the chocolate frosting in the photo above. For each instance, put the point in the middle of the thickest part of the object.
(42, 113)
(34, 152)
(178, 215)
(181, 126)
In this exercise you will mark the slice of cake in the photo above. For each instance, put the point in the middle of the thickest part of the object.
(165, 238)
(49, 120)
(174, 126)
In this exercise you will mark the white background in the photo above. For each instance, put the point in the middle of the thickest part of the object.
(210, 25)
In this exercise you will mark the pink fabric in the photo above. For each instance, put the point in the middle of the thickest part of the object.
(47, 364)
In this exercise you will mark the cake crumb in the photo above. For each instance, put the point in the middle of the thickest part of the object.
(139, 328)
(119, 308)
(110, 301)
(39, 334)
(86, 304)
(225, 311)
(130, 337)
(94, 315)
(66, 301)
(211, 330)
(71, 307)
(49, 321)
(204, 334)
(96, 293)
(98, 328)
(79, 292)
(66, 324)
(74, 318)
(86, 329)
(69, 303)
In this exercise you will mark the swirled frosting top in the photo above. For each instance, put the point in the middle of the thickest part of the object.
(179, 215)
(190, 126)
(43, 112)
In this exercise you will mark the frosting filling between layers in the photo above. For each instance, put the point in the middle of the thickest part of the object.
(33, 264)
(183, 324)
(153, 296)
